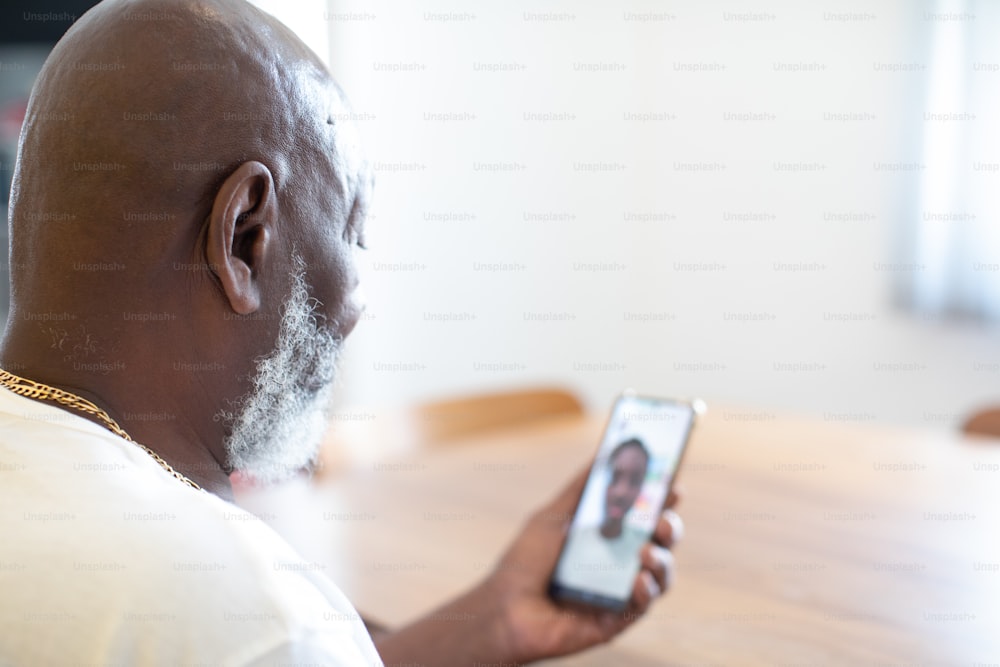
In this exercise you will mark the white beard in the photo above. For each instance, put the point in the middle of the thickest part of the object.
(278, 426)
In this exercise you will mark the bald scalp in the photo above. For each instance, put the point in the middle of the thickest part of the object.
(186, 175)
(141, 111)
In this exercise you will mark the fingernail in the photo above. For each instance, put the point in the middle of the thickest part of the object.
(666, 559)
(676, 525)
(651, 585)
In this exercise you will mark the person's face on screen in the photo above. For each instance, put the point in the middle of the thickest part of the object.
(628, 470)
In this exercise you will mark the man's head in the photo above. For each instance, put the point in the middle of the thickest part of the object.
(628, 463)
(187, 199)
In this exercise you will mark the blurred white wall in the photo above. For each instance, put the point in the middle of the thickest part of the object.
(307, 18)
(688, 198)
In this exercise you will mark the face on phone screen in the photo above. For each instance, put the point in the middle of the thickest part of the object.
(622, 500)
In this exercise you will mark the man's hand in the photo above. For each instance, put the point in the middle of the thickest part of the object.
(534, 625)
(511, 618)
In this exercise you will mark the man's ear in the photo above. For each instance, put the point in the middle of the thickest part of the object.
(240, 228)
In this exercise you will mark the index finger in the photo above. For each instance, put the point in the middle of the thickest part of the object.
(674, 497)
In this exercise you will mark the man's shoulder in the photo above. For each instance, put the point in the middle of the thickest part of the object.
(130, 527)
(108, 554)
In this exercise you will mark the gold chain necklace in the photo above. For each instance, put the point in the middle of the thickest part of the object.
(39, 391)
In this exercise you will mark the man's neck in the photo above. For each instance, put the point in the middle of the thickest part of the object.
(145, 413)
(179, 446)
(611, 529)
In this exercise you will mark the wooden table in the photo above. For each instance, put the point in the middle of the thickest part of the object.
(809, 542)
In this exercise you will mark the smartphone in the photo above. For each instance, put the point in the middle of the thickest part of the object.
(629, 482)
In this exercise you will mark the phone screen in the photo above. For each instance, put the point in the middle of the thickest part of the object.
(622, 500)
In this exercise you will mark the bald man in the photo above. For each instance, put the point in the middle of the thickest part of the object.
(185, 213)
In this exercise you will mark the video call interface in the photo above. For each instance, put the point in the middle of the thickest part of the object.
(625, 492)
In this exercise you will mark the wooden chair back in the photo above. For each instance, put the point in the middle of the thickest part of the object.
(447, 420)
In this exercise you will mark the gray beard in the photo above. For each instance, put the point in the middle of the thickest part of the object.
(277, 428)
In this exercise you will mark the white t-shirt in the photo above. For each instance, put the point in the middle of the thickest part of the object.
(106, 559)
(594, 563)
